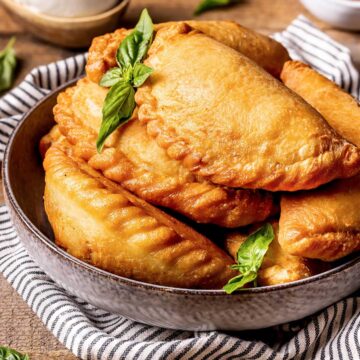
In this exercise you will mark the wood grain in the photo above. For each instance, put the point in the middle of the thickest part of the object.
(22, 330)
(19, 327)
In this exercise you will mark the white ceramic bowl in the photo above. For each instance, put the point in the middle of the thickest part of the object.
(343, 14)
(69, 8)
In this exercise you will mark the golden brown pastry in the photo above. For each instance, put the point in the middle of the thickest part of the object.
(338, 107)
(47, 140)
(102, 53)
(232, 123)
(134, 160)
(323, 223)
(278, 266)
(99, 222)
(265, 51)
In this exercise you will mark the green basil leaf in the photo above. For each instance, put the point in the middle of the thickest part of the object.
(238, 282)
(111, 77)
(128, 73)
(146, 27)
(140, 73)
(252, 251)
(128, 51)
(119, 103)
(7, 65)
(10, 354)
(134, 47)
(118, 108)
(211, 4)
(250, 257)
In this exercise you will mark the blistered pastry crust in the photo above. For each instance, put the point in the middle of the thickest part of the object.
(214, 128)
(323, 223)
(177, 189)
(97, 221)
(266, 52)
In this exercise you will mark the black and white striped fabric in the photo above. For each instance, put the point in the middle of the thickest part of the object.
(91, 333)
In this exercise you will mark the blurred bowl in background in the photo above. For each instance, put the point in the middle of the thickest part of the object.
(68, 8)
(67, 31)
(343, 14)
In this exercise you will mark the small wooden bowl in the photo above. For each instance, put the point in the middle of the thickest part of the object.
(67, 32)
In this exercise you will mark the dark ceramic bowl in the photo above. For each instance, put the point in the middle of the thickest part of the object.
(151, 304)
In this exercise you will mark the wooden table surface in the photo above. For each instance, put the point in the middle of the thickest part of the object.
(19, 327)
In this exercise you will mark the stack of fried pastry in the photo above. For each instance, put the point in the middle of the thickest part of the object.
(217, 139)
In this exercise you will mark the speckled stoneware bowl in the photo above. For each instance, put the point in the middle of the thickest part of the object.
(156, 305)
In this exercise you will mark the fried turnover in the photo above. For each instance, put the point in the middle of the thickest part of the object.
(279, 266)
(265, 51)
(99, 222)
(232, 123)
(338, 107)
(323, 223)
(134, 160)
(47, 140)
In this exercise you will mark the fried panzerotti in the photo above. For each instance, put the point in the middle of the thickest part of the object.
(278, 266)
(98, 221)
(134, 160)
(232, 123)
(323, 223)
(47, 140)
(265, 51)
(338, 107)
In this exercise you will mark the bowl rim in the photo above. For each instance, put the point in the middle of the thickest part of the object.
(10, 198)
(18, 8)
(347, 3)
(350, 4)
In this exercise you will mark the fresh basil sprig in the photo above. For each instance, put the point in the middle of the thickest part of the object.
(10, 354)
(250, 257)
(7, 65)
(211, 4)
(131, 73)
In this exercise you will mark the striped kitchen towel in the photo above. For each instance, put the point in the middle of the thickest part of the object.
(91, 333)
